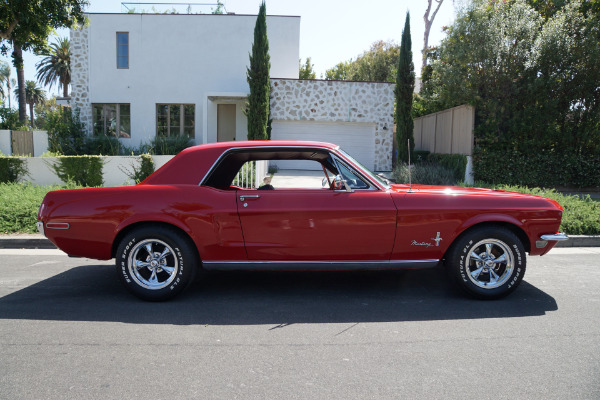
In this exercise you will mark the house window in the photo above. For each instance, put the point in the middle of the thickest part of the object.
(122, 49)
(112, 120)
(175, 119)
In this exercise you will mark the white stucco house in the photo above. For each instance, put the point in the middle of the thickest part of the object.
(138, 76)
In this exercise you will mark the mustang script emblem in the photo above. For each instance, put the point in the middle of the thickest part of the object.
(437, 241)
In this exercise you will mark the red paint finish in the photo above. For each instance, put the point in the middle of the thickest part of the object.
(317, 224)
(397, 223)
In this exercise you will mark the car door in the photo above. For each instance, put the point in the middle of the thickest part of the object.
(317, 224)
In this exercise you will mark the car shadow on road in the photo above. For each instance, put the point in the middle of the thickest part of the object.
(93, 293)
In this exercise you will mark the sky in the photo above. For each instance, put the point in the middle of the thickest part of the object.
(331, 31)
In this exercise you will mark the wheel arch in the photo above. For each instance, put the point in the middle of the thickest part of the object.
(136, 225)
(517, 230)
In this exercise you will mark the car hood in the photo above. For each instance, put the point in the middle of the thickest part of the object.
(469, 192)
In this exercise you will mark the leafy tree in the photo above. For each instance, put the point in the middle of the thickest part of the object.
(220, 9)
(307, 70)
(378, 64)
(533, 79)
(341, 72)
(258, 76)
(405, 85)
(56, 65)
(26, 24)
(33, 95)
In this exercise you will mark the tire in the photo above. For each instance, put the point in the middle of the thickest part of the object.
(167, 262)
(487, 263)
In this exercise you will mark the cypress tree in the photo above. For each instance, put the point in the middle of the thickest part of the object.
(405, 84)
(257, 108)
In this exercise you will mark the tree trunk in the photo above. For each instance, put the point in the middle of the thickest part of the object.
(18, 63)
(65, 89)
(428, 22)
(31, 113)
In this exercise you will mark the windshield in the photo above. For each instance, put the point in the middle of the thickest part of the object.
(365, 170)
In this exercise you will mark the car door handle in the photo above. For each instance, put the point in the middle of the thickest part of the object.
(249, 196)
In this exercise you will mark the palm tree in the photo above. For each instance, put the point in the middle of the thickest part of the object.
(33, 95)
(5, 77)
(56, 66)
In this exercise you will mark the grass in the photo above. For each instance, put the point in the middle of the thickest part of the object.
(19, 204)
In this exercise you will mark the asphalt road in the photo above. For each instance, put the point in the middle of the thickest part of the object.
(68, 330)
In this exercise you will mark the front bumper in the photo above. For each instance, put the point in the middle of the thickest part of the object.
(544, 239)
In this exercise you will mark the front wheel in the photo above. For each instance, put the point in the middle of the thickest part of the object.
(156, 264)
(487, 263)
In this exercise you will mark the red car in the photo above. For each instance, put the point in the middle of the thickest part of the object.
(189, 214)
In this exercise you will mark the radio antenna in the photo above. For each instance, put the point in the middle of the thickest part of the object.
(409, 170)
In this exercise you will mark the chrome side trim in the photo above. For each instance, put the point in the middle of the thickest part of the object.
(559, 237)
(57, 225)
(318, 265)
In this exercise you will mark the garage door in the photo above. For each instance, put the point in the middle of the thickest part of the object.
(358, 140)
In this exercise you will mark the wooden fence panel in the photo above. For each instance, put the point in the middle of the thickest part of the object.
(22, 143)
(446, 132)
(443, 133)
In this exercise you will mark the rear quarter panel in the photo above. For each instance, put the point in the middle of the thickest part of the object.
(97, 216)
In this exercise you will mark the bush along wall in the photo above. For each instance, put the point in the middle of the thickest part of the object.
(82, 170)
(12, 169)
(538, 167)
(142, 171)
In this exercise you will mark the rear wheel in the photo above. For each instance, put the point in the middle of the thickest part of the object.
(156, 264)
(487, 263)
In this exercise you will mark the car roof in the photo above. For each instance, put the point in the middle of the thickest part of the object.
(192, 164)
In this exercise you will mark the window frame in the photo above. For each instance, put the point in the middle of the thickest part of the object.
(104, 120)
(182, 125)
(118, 47)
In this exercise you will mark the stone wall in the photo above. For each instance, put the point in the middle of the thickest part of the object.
(80, 85)
(339, 101)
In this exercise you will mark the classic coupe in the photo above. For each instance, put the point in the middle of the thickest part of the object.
(192, 213)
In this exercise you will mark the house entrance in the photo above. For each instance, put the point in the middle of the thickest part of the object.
(226, 122)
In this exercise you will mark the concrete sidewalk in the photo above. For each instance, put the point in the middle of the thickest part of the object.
(37, 241)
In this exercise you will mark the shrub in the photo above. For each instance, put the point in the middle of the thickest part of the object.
(145, 169)
(166, 145)
(82, 170)
(102, 145)
(457, 163)
(66, 133)
(424, 173)
(548, 167)
(19, 203)
(11, 169)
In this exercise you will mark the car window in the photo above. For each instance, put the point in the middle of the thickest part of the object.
(280, 174)
(351, 178)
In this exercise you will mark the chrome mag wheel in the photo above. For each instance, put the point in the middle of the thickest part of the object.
(153, 264)
(490, 263)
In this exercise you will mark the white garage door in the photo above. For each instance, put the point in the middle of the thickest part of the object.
(358, 140)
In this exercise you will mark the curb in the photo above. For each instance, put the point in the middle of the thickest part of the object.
(40, 242)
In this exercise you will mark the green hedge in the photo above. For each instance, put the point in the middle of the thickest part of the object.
(11, 169)
(141, 172)
(19, 204)
(82, 170)
(538, 167)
